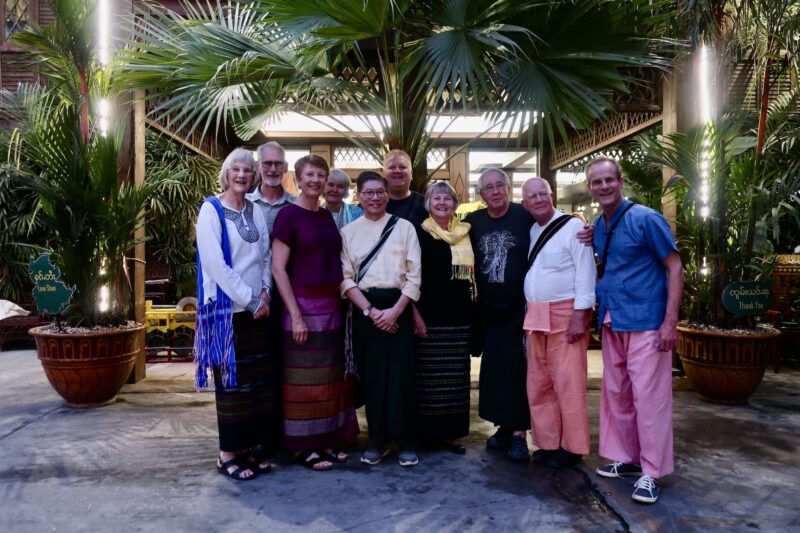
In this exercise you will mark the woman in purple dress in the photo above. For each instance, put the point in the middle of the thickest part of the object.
(318, 413)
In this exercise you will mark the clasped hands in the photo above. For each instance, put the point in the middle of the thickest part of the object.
(385, 319)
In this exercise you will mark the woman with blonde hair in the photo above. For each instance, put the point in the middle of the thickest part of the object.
(337, 189)
(443, 319)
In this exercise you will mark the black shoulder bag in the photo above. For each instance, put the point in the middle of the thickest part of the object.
(601, 263)
(545, 236)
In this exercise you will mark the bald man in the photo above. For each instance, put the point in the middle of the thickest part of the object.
(559, 289)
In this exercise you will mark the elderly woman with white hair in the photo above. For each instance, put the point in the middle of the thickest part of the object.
(443, 319)
(337, 189)
(234, 281)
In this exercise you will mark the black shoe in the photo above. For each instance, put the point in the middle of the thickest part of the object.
(541, 457)
(519, 450)
(563, 459)
(618, 469)
(455, 447)
(501, 440)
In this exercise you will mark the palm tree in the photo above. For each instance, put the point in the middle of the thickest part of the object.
(537, 67)
(750, 160)
(59, 157)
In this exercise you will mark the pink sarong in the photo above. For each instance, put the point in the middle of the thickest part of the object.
(556, 379)
(636, 401)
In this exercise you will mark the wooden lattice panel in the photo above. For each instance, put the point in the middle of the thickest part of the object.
(601, 134)
(366, 78)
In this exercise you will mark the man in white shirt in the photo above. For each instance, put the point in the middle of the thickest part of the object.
(270, 195)
(559, 289)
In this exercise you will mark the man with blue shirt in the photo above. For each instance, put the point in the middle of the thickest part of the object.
(640, 281)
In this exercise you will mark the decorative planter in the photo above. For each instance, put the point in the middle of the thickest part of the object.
(725, 366)
(88, 369)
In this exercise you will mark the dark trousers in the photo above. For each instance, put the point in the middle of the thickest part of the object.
(386, 362)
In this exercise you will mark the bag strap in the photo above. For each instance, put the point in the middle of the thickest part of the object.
(367, 262)
(226, 248)
(545, 236)
(601, 265)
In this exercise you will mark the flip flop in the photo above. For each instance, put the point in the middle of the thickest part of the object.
(305, 459)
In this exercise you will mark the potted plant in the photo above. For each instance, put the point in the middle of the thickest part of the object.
(727, 228)
(736, 178)
(66, 152)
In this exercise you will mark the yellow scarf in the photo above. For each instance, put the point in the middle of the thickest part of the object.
(456, 235)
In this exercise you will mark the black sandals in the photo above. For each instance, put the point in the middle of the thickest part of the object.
(312, 460)
(238, 473)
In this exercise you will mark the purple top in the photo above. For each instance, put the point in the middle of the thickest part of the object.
(315, 243)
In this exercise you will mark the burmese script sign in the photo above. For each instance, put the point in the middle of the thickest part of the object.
(747, 297)
(50, 293)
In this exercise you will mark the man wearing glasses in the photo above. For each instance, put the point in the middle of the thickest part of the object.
(270, 194)
(382, 280)
(500, 236)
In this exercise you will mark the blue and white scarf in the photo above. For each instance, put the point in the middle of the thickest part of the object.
(213, 338)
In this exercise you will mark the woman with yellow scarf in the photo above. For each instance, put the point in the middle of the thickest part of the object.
(443, 319)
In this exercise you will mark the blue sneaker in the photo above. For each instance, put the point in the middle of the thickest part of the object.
(617, 469)
(646, 490)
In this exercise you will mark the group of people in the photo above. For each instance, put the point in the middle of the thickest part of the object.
(309, 305)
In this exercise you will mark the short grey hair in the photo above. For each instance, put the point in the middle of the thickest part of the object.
(491, 170)
(539, 178)
(339, 175)
(274, 146)
(440, 187)
(238, 155)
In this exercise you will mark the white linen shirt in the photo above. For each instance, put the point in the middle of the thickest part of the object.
(564, 268)
(251, 261)
(398, 265)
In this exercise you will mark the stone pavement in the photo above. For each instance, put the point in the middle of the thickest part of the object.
(146, 463)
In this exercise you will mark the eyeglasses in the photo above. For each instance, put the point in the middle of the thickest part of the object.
(268, 164)
(374, 194)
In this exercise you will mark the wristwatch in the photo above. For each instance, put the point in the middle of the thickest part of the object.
(367, 309)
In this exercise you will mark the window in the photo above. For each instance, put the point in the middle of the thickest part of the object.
(17, 16)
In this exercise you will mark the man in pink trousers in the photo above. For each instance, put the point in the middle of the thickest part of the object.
(640, 281)
(559, 289)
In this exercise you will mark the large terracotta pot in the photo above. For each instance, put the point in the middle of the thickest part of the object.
(725, 367)
(88, 369)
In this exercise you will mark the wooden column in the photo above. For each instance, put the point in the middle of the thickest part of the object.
(543, 168)
(139, 368)
(325, 151)
(129, 106)
(459, 172)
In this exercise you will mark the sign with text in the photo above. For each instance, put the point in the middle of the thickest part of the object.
(747, 297)
(50, 293)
